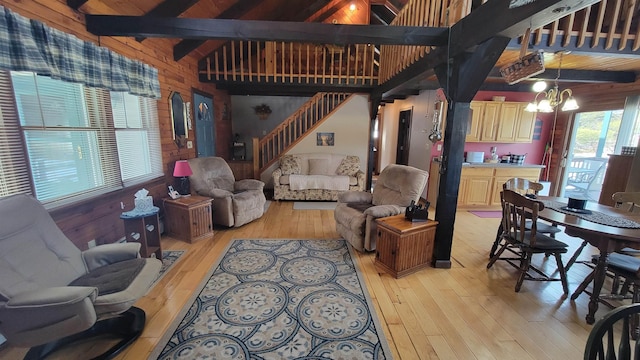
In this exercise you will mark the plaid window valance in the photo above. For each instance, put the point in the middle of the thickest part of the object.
(29, 45)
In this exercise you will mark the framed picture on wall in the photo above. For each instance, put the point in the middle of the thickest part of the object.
(325, 139)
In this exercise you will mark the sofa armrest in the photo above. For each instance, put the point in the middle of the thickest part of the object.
(249, 184)
(216, 193)
(51, 297)
(355, 197)
(380, 211)
(43, 315)
(362, 178)
(276, 176)
(110, 253)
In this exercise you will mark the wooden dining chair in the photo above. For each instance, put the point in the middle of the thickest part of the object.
(516, 209)
(528, 188)
(615, 335)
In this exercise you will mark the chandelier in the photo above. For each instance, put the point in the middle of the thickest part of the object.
(552, 97)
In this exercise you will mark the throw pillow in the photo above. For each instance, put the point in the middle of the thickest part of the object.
(318, 166)
(349, 166)
(290, 164)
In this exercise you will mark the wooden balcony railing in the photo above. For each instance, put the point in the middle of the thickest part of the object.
(615, 21)
(286, 62)
(434, 13)
(295, 127)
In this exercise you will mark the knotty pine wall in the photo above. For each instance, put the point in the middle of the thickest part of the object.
(99, 218)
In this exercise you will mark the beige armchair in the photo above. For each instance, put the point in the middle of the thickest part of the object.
(51, 293)
(235, 203)
(394, 190)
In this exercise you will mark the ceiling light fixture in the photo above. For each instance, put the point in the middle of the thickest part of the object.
(352, 7)
(552, 97)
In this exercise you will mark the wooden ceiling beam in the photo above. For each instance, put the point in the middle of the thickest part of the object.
(598, 49)
(169, 8)
(257, 30)
(75, 4)
(577, 76)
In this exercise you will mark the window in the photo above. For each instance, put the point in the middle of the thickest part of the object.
(74, 141)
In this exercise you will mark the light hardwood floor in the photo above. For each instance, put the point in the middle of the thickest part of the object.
(466, 312)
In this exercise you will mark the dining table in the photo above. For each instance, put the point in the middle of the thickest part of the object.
(607, 228)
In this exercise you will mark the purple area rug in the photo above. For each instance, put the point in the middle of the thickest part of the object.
(487, 214)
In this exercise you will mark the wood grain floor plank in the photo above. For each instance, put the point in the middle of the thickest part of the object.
(466, 312)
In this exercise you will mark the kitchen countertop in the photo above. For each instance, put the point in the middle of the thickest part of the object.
(502, 165)
(499, 165)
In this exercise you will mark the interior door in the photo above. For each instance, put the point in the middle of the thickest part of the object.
(404, 137)
(205, 130)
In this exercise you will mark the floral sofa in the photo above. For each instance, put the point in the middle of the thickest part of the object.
(316, 176)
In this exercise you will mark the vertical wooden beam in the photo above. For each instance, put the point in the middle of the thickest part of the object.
(374, 101)
(460, 78)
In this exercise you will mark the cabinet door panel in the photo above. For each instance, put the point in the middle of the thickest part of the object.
(490, 121)
(477, 109)
(478, 191)
(507, 122)
(462, 192)
(525, 126)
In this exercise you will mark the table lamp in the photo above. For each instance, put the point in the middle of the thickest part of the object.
(182, 170)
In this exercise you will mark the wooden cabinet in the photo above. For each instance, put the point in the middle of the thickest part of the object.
(615, 177)
(480, 186)
(497, 121)
(477, 111)
(144, 229)
(502, 175)
(477, 186)
(189, 218)
(525, 125)
(404, 247)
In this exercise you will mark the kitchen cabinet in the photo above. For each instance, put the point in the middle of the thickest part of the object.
(502, 175)
(480, 185)
(500, 121)
(477, 183)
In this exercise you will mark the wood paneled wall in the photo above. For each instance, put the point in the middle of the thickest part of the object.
(99, 219)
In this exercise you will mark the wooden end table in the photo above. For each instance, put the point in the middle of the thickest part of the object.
(189, 218)
(145, 229)
(404, 247)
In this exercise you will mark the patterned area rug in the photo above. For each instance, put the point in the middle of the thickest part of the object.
(169, 258)
(314, 205)
(279, 299)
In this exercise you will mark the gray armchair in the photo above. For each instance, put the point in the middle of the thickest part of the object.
(235, 203)
(51, 293)
(356, 211)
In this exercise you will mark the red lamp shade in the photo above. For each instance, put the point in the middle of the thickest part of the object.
(182, 169)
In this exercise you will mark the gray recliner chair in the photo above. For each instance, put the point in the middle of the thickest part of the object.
(357, 211)
(235, 203)
(51, 293)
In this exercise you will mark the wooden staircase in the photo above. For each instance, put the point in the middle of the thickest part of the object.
(292, 130)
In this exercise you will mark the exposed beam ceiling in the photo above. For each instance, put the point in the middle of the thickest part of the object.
(577, 76)
(119, 25)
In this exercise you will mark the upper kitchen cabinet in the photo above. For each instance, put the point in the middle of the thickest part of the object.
(498, 121)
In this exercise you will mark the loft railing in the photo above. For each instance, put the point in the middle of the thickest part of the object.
(615, 21)
(286, 62)
(432, 13)
(611, 20)
(294, 128)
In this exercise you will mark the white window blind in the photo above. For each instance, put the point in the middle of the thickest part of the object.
(80, 141)
(14, 169)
